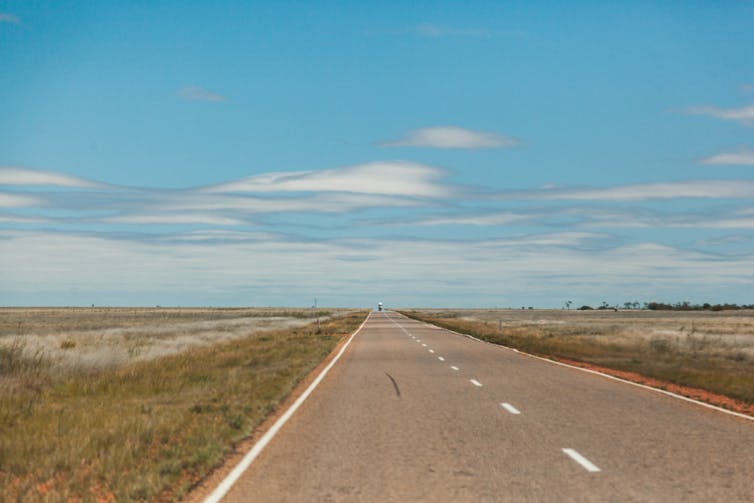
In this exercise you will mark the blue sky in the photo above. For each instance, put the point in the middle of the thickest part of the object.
(431, 154)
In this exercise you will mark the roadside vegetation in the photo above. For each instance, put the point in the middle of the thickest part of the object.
(711, 351)
(75, 339)
(145, 430)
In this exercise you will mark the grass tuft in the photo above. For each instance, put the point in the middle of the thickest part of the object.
(148, 430)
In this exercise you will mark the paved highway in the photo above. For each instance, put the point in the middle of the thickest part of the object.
(416, 413)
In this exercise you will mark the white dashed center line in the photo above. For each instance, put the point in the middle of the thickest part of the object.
(588, 465)
(454, 367)
(441, 358)
(424, 345)
(431, 350)
(475, 382)
(510, 408)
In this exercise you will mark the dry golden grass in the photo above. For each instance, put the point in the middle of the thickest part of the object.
(147, 430)
(99, 338)
(713, 351)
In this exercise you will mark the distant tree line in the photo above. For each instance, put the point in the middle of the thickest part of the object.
(662, 306)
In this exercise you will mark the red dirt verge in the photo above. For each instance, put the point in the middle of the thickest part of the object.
(687, 391)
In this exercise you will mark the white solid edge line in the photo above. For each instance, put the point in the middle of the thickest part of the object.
(222, 489)
(510, 408)
(608, 376)
(475, 382)
(588, 465)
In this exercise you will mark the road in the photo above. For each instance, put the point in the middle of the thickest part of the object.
(412, 412)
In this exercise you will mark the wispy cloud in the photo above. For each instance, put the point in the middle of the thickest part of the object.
(743, 114)
(695, 189)
(458, 273)
(22, 176)
(452, 137)
(200, 200)
(195, 93)
(394, 184)
(742, 157)
(167, 219)
(487, 219)
(396, 178)
(431, 30)
(9, 18)
(18, 201)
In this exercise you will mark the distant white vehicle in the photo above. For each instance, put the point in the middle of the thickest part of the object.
(379, 306)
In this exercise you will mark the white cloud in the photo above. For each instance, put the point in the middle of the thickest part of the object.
(394, 178)
(18, 200)
(269, 271)
(9, 18)
(743, 114)
(742, 157)
(730, 223)
(195, 93)
(167, 219)
(324, 202)
(452, 137)
(707, 189)
(489, 219)
(21, 176)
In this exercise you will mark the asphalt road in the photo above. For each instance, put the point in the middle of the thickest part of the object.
(416, 413)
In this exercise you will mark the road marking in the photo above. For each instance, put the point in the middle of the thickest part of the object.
(510, 408)
(222, 489)
(454, 367)
(441, 358)
(424, 345)
(475, 382)
(588, 465)
(431, 350)
(418, 340)
(607, 376)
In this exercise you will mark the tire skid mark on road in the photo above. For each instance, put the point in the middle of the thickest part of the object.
(572, 453)
(395, 385)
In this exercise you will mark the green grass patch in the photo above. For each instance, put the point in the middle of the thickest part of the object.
(146, 431)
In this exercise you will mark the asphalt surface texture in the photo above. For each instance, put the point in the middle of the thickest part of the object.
(416, 413)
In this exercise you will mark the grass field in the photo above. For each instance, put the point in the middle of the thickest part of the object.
(713, 351)
(143, 428)
(74, 339)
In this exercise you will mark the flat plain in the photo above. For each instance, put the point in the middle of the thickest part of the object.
(712, 351)
(71, 339)
(122, 404)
